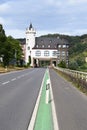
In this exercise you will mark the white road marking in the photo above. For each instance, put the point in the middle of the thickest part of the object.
(5, 82)
(32, 121)
(13, 79)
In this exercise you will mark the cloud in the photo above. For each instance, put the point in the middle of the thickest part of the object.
(79, 32)
(48, 16)
(15, 33)
(53, 3)
(75, 2)
(2, 21)
(4, 7)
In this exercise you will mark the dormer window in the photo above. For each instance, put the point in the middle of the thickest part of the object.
(48, 46)
(41, 41)
(37, 46)
(50, 41)
(64, 46)
(59, 46)
(42, 46)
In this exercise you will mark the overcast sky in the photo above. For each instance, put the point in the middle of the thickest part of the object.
(47, 16)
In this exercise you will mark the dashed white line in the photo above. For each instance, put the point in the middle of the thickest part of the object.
(5, 82)
(13, 79)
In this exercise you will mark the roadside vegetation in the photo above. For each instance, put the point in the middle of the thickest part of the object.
(78, 83)
(10, 51)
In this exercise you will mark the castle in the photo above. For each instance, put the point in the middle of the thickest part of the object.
(44, 51)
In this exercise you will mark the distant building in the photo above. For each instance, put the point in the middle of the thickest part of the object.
(44, 51)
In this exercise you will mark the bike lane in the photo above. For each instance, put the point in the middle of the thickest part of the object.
(44, 120)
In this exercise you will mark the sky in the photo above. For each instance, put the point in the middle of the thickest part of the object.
(67, 17)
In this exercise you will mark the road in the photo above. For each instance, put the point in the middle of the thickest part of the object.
(70, 104)
(18, 94)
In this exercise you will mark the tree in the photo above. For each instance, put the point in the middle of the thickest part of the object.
(73, 65)
(15, 50)
(9, 48)
(62, 64)
(2, 40)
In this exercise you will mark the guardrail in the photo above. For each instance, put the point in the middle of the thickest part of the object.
(73, 73)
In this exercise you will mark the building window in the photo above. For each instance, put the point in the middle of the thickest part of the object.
(42, 46)
(37, 46)
(58, 53)
(67, 53)
(48, 46)
(46, 53)
(42, 41)
(50, 41)
(63, 53)
(64, 46)
(38, 53)
(54, 53)
(28, 48)
(59, 46)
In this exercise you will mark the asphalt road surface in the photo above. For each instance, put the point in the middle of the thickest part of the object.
(18, 94)
(70, 103)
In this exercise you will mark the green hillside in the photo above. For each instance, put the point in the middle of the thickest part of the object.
(78, 53)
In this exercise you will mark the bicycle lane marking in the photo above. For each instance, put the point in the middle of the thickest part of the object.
(44, 119)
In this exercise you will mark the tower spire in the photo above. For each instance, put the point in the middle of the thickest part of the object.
(30, 27)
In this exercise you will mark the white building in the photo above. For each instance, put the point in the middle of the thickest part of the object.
(30, 43)
(44, 50)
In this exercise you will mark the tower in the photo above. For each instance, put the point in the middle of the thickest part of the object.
(30, 43)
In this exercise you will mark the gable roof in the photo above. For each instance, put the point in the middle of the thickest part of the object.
(48, 42)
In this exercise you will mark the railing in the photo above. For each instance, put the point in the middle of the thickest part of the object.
(73, 73)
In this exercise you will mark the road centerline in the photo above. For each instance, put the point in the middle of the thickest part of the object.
(5, 82)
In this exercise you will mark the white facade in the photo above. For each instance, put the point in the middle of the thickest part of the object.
(45, 53)
(30, 43)
(44, 49)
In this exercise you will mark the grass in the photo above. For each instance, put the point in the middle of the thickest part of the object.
(10, 68)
